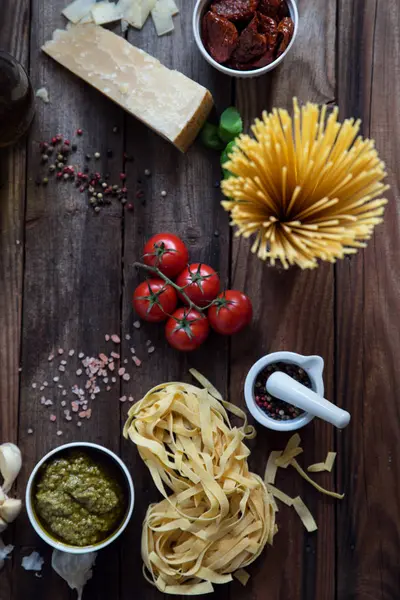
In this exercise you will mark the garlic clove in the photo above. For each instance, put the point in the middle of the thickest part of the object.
(2, 495)
(3, 525)
(10, 464)
(10, 509)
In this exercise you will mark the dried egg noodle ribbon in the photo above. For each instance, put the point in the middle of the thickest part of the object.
(220, 515)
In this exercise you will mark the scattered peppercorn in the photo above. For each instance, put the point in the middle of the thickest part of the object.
(99, 195)
(130, 206)
(45, 180)
(67, 142)
(79, 132)
(60, 165)
(88, 157)
(60, 157)
(147, 172)
(163, 193)
(45, 158)
(97, 155)
(122, 176)
(97, 209)
(74, 147)
(52, 168)
(66, 176)
(273, 407)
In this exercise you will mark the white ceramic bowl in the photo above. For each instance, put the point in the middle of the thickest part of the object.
(198, 13)
(40, 529)
(313, 366)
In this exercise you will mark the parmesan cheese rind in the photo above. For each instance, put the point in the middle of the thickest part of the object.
(216, 516)
(167, 101)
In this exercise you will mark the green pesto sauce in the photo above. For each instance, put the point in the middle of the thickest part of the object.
(77, 500)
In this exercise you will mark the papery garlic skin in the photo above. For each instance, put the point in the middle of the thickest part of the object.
(3, 525)
(10, 464)
(10, 509)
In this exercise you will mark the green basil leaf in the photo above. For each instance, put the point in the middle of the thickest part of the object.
(230, 124)
(209, 137)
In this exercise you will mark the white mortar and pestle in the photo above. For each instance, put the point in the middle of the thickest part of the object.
(285, 388)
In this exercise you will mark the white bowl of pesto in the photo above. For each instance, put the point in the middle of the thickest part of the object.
(80, 497)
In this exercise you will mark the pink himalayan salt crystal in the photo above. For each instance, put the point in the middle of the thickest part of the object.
(115, 338)
(53, 418)
(126, 377)
(121, 371)
(122, 399)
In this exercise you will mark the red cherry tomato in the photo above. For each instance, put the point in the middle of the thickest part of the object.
(201, 283)
(167, 252)
(186, 329)
(231, 312)
(154, 300)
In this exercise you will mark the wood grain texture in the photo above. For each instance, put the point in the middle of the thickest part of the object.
(14, 37)
(293, 311)
(72, 288)
(367, 299)
(191, 210)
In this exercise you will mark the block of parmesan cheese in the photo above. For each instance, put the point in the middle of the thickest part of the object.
(170, 103)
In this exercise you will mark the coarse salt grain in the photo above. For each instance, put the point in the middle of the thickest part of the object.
(81, 355)
(60, 351)
(136, 324)
(115, 355)
(63, 403)
(111, 366)
(53, 418)
(79, 372)
(121, 371)
(50, 357)
(60, 386)
(108, 388)
(79, 424)
(34, 385)
(55, 379)
(63, 362)
(126, 377)
(42, 400)
(107, 337)
(137, 361)
(59, 432)
(151, 349)
(115, 338)
(41, 388)
(30, 431)
(130, 399)
(64, 392)
(71, 352)
(48, 402)
(104, 358)
(105, 379)
(113, 379)
(148, 343)
(45, 383)
(61, 368)
(127, 336)
(122, 399)
(132, 350)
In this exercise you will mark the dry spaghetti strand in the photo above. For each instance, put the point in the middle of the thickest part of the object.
(311, 170)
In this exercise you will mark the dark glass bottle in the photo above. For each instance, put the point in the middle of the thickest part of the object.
(17, 101)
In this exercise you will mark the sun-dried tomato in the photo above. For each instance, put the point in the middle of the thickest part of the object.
(220, 36)
(252, 44)
(271, 8)
(285, 33)
(269, 27)
(235, 10)
(267, 58)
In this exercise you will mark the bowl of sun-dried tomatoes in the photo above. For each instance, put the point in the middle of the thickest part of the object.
(245, 38)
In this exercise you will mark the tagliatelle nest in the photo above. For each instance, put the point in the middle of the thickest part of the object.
(219, 515)
(307, 187)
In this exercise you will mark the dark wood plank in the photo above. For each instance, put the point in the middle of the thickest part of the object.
(14, 36)
(293, 311)
(72, 289)
(190, 209)
(367, 299)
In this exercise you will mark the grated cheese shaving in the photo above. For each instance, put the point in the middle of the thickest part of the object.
(162, 18)
(304, 514)
(78, 9)
(220, 515)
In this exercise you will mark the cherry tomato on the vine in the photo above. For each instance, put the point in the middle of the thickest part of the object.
(186, 329)
(231, 312)
(154, 300)
(167, 252)
(200, 282)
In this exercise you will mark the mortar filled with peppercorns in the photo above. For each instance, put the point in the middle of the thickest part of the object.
(285, 391)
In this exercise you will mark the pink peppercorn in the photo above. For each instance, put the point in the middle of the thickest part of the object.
(67, 142)
(79, 131)
(130, 206)
(59, 175)
(124, 190)
(122, 176)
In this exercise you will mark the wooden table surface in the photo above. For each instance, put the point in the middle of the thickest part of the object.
(66, 279)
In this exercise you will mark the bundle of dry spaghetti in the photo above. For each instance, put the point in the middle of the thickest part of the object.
(308, 188)
(219, 516)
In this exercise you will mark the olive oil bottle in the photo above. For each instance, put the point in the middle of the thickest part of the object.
(17, 102)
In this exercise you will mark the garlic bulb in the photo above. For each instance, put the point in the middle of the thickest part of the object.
(2, 496)
(10, 464)
(10, 509)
